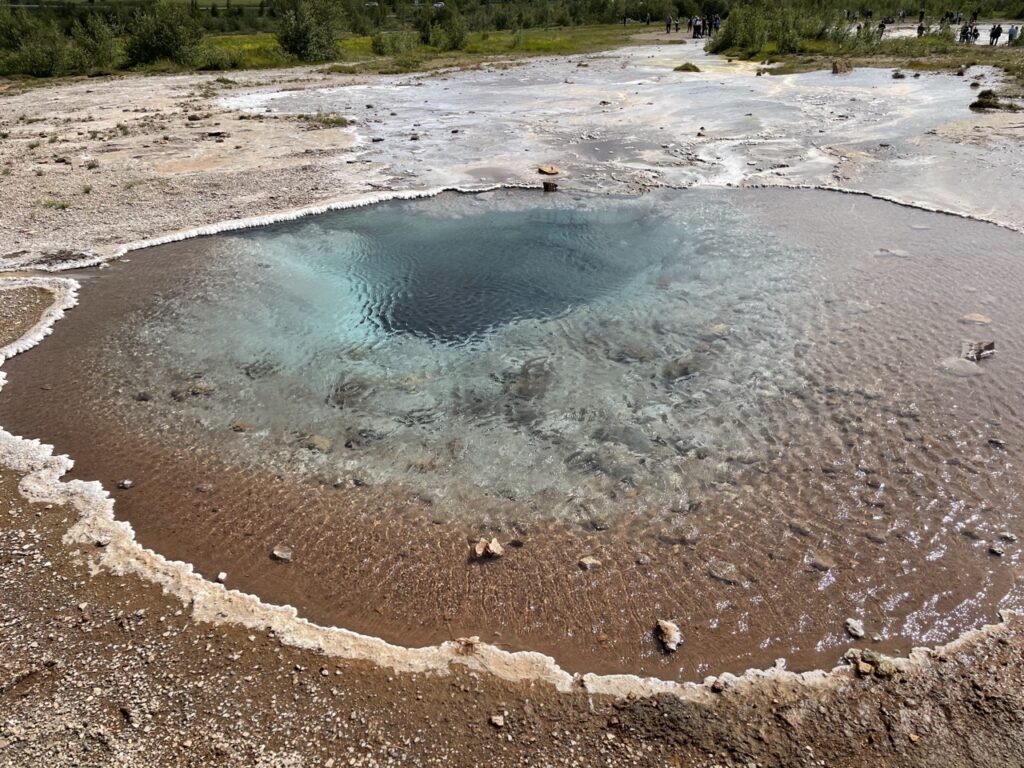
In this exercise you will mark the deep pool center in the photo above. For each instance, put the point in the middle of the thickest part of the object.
(559, 353)
(748, 419)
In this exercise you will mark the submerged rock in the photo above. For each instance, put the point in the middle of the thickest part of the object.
(282, 553)
(669, 634)
(531, 381)
(854, 628)
(957, 366)
(200, 388)
(715, 332)
(346, 391)
(679, 368)
(977, 350)
(589, 563)
(820, 561)
(485, 549)
(976, 318)
(724, 571)
(317, 443)
(125, 484)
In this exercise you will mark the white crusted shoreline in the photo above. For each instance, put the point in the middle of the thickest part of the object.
(121, 554)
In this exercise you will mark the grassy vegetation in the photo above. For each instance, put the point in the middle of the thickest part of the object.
(357, 53)
(56, 205)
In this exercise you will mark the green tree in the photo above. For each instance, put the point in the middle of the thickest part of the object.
(166, 31)
(309, 30)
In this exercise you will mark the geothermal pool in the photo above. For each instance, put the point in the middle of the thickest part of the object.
(747, 405)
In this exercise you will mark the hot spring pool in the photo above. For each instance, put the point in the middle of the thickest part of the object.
(740, 402)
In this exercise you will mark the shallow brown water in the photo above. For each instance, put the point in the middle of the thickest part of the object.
(875, 491)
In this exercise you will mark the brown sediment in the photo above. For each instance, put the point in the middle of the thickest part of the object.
(20, 309)
(101, 669)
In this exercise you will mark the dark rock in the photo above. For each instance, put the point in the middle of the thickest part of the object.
(977, 350)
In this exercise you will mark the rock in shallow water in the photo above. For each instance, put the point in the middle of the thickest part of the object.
(976, 318)
(854, 628)
(724, 571)
(957, 366)
(484, 549)
(283, 553)
(669, 634)
(589, 563)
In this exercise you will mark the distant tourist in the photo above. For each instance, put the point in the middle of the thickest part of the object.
(668, 25)
(920, 30)
(995, 34)
(920, 17)
(1011, 34)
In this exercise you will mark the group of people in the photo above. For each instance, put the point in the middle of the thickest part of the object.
(697, 26)
(969, 33)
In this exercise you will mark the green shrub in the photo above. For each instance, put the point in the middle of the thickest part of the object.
(214, 59)
(41, 53)
(394, 43)
(165, 31)
(95, 41)
(309, 30)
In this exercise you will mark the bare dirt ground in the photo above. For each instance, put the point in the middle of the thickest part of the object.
(101, 669)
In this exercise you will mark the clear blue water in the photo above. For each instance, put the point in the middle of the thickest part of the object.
(553, 349)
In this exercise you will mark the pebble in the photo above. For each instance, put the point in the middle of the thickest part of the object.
(498, 721)
(589, 563)
(669, 634)
(282, 553)
(821, 562)
(125, 484)
(724, 571)
(855, 628)
(485, 549)
(976, 318)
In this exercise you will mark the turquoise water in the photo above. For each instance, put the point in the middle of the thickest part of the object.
(556, 349)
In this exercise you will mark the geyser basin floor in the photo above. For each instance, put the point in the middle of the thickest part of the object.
(739, 411)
